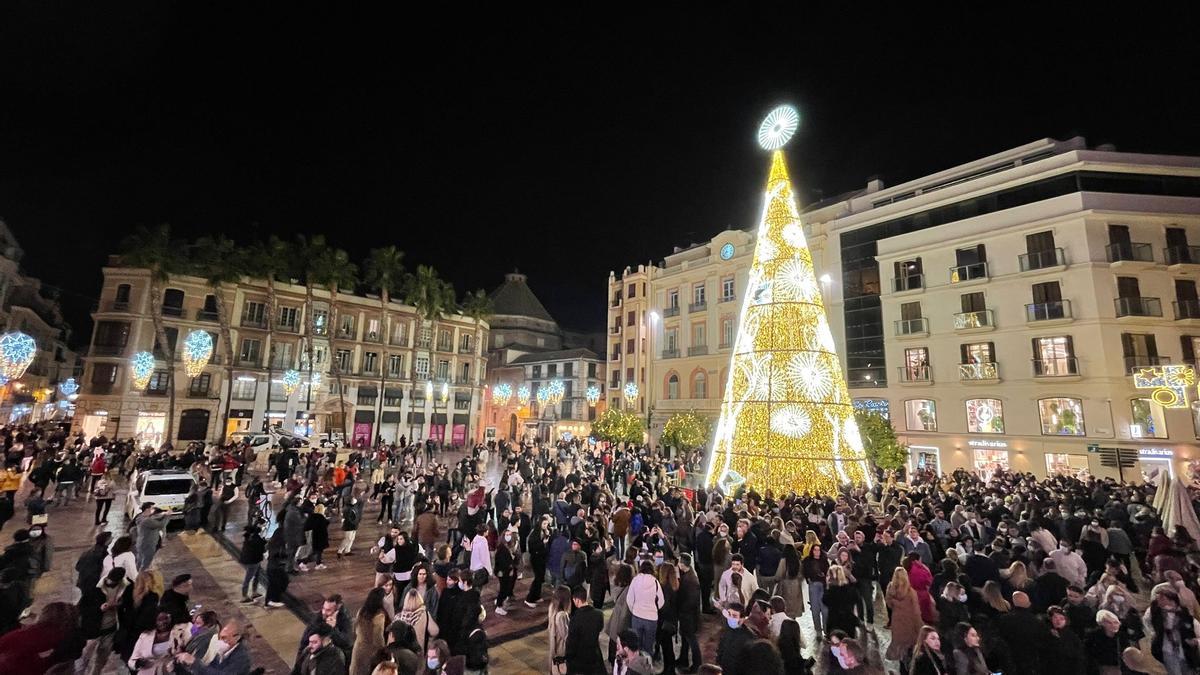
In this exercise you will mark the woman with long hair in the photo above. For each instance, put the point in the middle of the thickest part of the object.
(791, 582)
(559, 621)
(121, 555)
(138, 611)
(1015, 578)
(668, 614)
(993, 604)
(620, 619)
(722, 552)
(816, 567)
(921, 580)
(538, 545)
(927, 656)
(438, 660)
(952, 606)
(422, 582)
(416, 615)
(508, 560)
(791, 643)
(905, 609)
(968, 657)
(810, 540)
(369, 637)
(841, 599)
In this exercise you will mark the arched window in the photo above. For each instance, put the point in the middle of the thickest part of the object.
(673, 386)
(700, 385)
(985, 416)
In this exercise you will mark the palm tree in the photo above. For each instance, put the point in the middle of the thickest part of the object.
(152, 249)
(306, 251)
(219, 260)
(333, 269)
(272, 260)
(432, 297)
(478, 306)
(384, 272)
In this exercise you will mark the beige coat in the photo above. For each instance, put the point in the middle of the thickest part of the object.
(368, 640)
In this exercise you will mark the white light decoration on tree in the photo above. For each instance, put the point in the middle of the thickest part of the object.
(69, 387)
(593, 395)
(445, 391)
(502, 393)
(291, 382)
(197, 350)
(630, 392)
(555, 392)
(16, 353)
(523, 395)
(141, 367)
(777, 129)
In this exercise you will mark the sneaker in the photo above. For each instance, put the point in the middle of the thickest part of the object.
(531, 605)
(256, 596)
(303, 567)
(321, 566)
(274, 603)
(501, 611)
(247, 599)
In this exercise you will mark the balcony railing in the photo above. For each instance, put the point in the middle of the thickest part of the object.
(670, 353)
(978, 371)
(616, 302)
(205, 315)
(1040, 260)
(1136, 306)
(466, 350)
(169, 310)
(157, 392)
(698, 350)
(345, 333)
(915, 374)
(979, 319)
(112, 306)
(671, 311)
(1059, 366)
(970, 272)
(1182, 255)
(399, 341)
(108, 350)
(1129, 251)
(912, 326)
(1048, 311)
(724, 345)
(615, 356)
(423, 344)
(288, 327)
(250, 361)
(698, 306)
(254, 322)
(911, 282)
(444, 347)
(464, 380)
(373, 336)
(615, 330)
(1132, 363)
(197, 393)
(1186, 309)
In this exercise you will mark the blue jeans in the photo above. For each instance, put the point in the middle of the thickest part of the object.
(250, 579)
(816, 595)
(647, 630)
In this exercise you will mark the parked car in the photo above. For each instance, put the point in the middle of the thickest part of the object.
(167, 488)
(332, 440)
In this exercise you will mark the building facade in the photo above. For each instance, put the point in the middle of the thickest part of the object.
(400, 376)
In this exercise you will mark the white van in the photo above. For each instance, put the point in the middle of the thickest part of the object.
(166, 488)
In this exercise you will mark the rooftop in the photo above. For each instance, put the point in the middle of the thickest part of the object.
(561, 355)
(515, 298)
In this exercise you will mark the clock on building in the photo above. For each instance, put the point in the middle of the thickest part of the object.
(726, 251)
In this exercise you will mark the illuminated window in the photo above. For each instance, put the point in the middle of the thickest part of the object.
(988, 462)
(1061, 416)
(920, 415)
(1148, 421)
(985, 416)
(1066, 465)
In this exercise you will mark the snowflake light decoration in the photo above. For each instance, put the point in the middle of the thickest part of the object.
(810, 375)
(791, 420)
(593, 395)
(69, 387)
(778, 127)
(543, 395)
(16, 353)
(197, 350)
(141, 367)
(523, 395)
(630, 392)
(291, 382)
(555, 392)
(502, 393)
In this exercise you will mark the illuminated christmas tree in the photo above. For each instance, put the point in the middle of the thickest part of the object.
(786, 418)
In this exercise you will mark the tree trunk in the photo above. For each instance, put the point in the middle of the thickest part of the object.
(227, 338)
(271, 346)
(333, 361)
(160, 333)
(309, 339)
(383, 303)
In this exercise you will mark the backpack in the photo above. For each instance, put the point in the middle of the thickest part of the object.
(477, 650)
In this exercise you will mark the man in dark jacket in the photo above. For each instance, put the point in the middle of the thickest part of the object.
(175, 600)
(887, 559)
(864, 573)
(583, 637)
(687, 600)
(733, 638)
(1027, 636)
(465, 616)
(320, 656)
(338, 629)
(573, 567)
(235, 660)
(448, 599)
(747, 545)
(293, 528)
(91, 563)
(703, 544)
(1049, 587)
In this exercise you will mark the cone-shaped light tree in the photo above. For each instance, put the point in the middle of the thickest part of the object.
(786, 418)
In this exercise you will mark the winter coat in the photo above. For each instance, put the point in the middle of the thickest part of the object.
(368, 640)
(319, 525)
(906, 622)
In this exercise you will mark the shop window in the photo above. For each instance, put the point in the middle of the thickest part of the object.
(1061, 416)
(673, 386)
(988, 462)
(1062, 464)
(1147, 419)
(920, 415)
(985, 416)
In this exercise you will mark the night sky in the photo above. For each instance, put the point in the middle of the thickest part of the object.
(565, 147)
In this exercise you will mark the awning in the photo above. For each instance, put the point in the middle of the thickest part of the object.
(365, 416)
(461, 419)
(416, 418)
(438, 418)
(391, 417)
(241, 414)
(368, 390)
(393, 392)
(462, 396)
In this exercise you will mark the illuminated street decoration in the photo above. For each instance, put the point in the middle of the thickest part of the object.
(3, 379)
(502, 393)
(593, 395)
(555, 392)
(16, 353)
(787, 420)
(141, 367)
(69, 387)
(543, 395)
(445, 391)
(197, 350)
(1169, 382)
(523, 395)
(291, 382)
(429, 389)
(315, 380)
(630, 392)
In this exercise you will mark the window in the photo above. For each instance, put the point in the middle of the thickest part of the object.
(1147, 419)
(631, 291)
(673, 298)
(673, 386)
(971, 263)
(122, 297)
(320, 321)
(977, 353)
(199, 385)
(568, 370)
(288, 317)
(552, 370)
(1140, 350)
(367, 395)
(160, 381)
(972, 302)
(1062, 464)
(1061, 416)
(916, 364)
(1040, 252)
(700, 386)
(591, 370)
(172, 302)
(111, 336)
(537, 372)
(343, 360)
(698, 294)
(726, 289)
(908, 274)
(698, 335)
(629, 375)
(253, 313)
(464, 343)
(985, 416)
(395, 365)
(104, 376)
(372, 329)
(392, 397)
(920, 415)
(210, 305)
(444, 341)
(245, 388)
(283, 355)
(425, 337)
(726, 332)
(346, 326)
(370, 362)
(671, 341)
(630, 318)
(250, 352)
(443, 371)
(464, 373)
(172, 335)
(1054, 356)
(988, 462)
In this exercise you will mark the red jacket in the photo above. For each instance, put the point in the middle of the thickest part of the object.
(99, 466)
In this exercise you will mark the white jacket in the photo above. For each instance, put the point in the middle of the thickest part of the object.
(644, 597)
(1070, 566)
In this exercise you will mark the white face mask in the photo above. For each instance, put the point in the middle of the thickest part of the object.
(222, 647)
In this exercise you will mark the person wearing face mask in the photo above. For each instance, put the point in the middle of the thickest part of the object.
(438, 660)
(98, 620)
(952, 606)
(734, 637)
(508, 561)
(203, 643)
(1117, 600)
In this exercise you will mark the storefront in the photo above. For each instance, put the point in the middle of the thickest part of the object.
(239, 420)
(94, 423)
(437, 427)
(151, 428)
(364, 422)
(924, 458)
(458, 432)
(1155, 464)
(988, 456)
(389, 426)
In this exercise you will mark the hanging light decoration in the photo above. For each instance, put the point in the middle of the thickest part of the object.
(291, 382)
(141, 368)
(502, 393)
(429, 389)
(69, 387)
(445, 391)
(543, 395)
(630, 392)
(555, 392)
(593, 395)
(3, 379)
(523, 395)
(197, 350)
(16, 353)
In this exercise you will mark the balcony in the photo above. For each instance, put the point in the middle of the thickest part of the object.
(1138, 307)
(288, 327)
(371, 371)
(670, 312)
(912, 282)
(918, 327)
(698, 350)
(670, 353)
(1059, 366)
(915, 375)
(465, 350)
(1186, 309)
(1182, 255)
(113, 306)
(1052, 258)
(724, 345)
(697, 307)
(197, 393)
(1129, 252)
(615, 330)
(616, 302)
(157, 392)
(615, 356)
(445, 347)
(399, 341)
(345, 333)
(1057, 310)
(973, 272)
(978, 320)
(373, 336)
(254, 322)
(1133, 363)
(979, 372)
(423, 344)
(205, 315)
(169, 310)
(249, 361)
(108, 350)
(464, 380)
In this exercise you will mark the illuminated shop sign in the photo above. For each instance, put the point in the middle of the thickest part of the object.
(984, 443)
(1155, 452)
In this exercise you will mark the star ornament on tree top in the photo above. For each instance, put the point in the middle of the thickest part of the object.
(778, 127)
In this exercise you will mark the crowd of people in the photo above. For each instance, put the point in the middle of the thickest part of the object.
(1012, 574)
